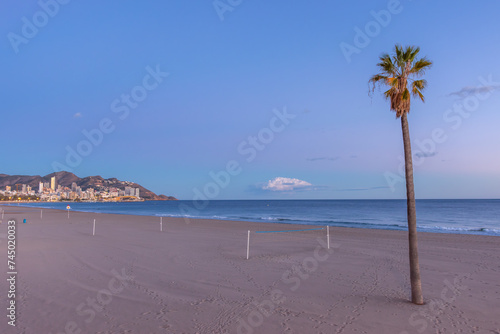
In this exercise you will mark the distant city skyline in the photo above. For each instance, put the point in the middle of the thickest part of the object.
(55, 192)
(251, 101)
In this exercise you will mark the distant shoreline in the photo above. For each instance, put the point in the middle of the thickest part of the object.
(142, 200)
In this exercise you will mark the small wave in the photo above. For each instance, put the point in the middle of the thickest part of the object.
(178, 215)
(219, 217)
(324, 222)
(274, 219)
(461, 229)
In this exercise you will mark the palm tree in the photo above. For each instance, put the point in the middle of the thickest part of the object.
(400, 73)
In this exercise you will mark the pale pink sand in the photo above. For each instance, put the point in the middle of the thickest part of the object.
(194, 278)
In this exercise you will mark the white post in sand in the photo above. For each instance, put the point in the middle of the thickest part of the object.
(328, 236)
(248, 245)
(161, 224)
(93, 230)
(41, 214)
(2, 212)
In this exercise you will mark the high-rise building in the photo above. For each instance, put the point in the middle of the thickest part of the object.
(73, 186)
(40, 187)
(53, 183)
(128, 191)
(136, 192)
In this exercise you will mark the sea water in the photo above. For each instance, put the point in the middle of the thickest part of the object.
(480, 217)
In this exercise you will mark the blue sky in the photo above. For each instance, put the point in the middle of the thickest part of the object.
(231, 71)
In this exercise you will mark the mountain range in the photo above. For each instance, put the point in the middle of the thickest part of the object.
(66, 179)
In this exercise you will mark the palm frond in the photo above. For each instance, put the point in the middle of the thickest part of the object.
(418, 93)
(420, 84)
(421, 66)
(416, 88)
(378, 77)
(387, 66)
(393, 82)
(406, 54)
(398, 56)
(406, 94)
(388, 93)
(414, 53)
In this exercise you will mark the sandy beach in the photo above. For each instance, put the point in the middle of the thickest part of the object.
(193, 277)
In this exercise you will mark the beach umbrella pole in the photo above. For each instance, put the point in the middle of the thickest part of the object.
(328, 236)
(248, 245)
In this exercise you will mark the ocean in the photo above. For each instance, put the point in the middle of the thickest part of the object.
(481, 217)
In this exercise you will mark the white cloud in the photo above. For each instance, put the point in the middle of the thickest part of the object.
(285, 184)
(77, 115)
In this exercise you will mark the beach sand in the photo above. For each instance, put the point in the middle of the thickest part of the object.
(194, 278)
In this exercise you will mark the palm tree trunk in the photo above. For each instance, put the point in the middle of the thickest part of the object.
(416, 283)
